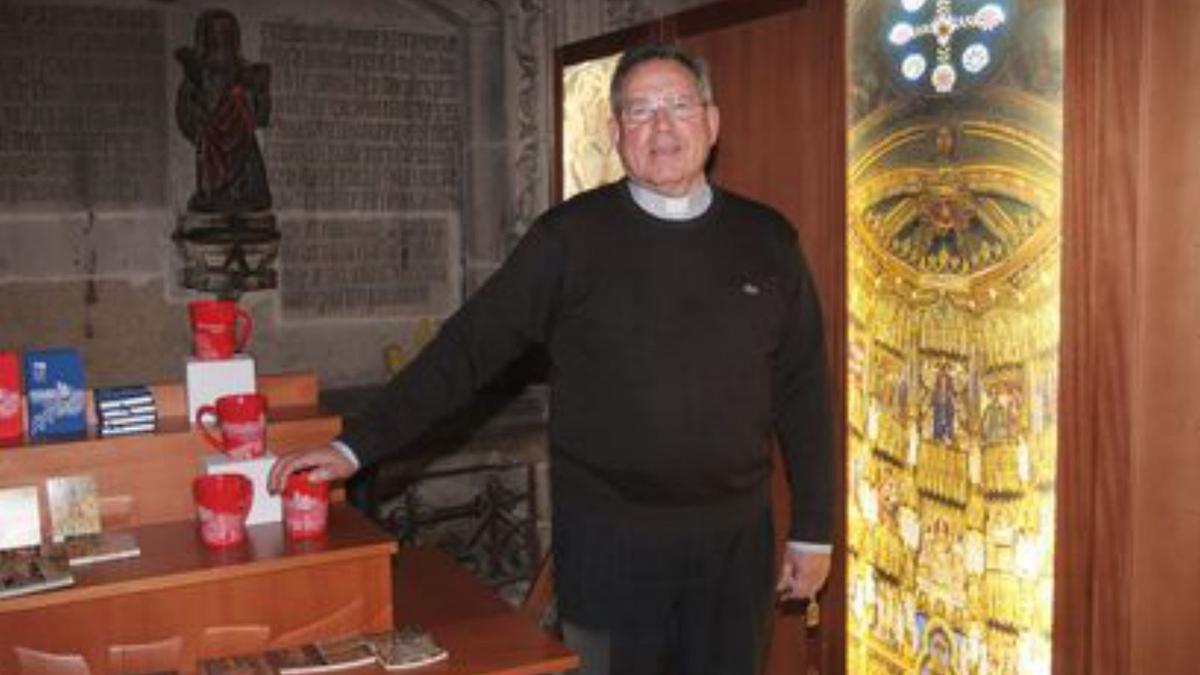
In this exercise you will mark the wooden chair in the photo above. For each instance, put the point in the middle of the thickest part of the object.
(34, 662)
(146, 657)
(345, 620)
(118, 512)
(231, 640)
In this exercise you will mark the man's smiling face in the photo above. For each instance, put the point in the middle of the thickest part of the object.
(664, 128)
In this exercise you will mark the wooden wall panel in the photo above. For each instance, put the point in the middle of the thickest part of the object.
(1128, 569)
(780, 89)
(1093, 562)
(1166, 438)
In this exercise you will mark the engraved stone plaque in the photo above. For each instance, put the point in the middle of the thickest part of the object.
(83, 116)
(367, 266)
(364, 119)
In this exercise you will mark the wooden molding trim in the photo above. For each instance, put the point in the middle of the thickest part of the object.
(604, 45)
(672, 27)
(717, 15)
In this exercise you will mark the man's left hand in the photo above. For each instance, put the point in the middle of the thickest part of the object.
(802, 574)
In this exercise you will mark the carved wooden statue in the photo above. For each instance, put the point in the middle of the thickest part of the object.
(222, 100)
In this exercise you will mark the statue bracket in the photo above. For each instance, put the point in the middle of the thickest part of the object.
(228, 253)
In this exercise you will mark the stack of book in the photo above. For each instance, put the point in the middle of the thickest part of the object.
(125, 410)
(396, 650)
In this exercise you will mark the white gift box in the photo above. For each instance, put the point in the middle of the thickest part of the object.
(267, 508)
(208, 380)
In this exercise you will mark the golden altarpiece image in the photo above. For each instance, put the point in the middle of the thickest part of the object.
(588, 156)
(953, 250)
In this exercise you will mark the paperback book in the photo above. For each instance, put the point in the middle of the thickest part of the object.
(12, 423)
(405, 648)
(100, 547)
(111, 398)
(129, 416)
(251, 664)
(114, 402)
(74, 506)
(54, 389)
(350, 652)
(32, 570)
(297, 660)
(20, 517)
(324, 657)
(127, 429)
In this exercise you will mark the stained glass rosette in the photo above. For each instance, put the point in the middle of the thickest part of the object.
(945, 47)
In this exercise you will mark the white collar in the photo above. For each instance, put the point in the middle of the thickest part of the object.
(689, 206)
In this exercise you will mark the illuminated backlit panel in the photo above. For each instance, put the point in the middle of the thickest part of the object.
(953, 249)
(589, 159)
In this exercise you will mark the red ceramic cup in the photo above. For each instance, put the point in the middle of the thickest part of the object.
(220, 328)
(222, 502)
(241, 420)
(305, 506)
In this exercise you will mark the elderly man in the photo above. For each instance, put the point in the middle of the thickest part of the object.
(683, 329)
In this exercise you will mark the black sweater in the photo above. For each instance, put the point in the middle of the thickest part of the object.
(676, 347)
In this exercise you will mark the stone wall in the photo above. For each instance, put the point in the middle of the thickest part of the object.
(387, 154)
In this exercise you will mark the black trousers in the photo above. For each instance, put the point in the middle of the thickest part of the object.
(689, 600)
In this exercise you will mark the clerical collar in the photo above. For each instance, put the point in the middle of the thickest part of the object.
(689, 206)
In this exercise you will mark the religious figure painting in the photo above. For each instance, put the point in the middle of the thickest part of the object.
(943, 414)
(589, 158)
(890, 374)
(1003, 405)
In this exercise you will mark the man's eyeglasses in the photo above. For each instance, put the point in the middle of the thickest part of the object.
(678, 108)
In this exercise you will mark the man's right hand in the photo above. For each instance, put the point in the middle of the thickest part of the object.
(327, 463)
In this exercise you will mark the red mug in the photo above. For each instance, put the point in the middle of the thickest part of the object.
(223, 501)
(305, 506)
(242, 422)
(215, 328)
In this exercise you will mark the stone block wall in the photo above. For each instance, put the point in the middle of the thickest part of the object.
(387, 153)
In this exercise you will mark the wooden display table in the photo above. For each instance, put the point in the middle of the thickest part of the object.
(285, 593)
(299, 591)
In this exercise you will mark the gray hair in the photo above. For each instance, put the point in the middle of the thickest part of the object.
(657, 51)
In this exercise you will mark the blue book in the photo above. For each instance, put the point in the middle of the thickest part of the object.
(55, 393)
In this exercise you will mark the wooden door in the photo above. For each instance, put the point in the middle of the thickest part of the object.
(780, 90)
